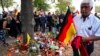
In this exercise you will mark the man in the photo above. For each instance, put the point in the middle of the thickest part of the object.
(42, 18)
(49, 21)
(37, 21)
(3, 30)
(87, 25)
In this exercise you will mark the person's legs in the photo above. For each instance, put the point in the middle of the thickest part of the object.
(43, 28)
(36, 27)
(75, 51)
(90, 48)
(2, 37)
(50, 28)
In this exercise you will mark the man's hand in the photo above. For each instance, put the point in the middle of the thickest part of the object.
(85, 39)
(90, 38)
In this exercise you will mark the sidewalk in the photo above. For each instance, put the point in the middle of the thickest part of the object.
(3, 49)
(96, 49)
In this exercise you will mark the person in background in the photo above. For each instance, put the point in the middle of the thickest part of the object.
(49, 21)
(3, 29)
(42, 17)
(61, 19)
(87, 26)
(37, 21)
(19, 23)
(14, 31)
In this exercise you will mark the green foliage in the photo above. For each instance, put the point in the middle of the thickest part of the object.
(6, 3)
(62, 5)
(97, 9)
(41, 4)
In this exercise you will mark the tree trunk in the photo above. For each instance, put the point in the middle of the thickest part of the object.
(27, 18)
(2, 5)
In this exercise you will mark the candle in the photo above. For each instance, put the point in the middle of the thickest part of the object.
(23, 47)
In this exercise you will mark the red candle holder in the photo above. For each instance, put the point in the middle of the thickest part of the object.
(24, 47)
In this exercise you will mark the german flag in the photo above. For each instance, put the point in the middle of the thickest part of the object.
(67, 30)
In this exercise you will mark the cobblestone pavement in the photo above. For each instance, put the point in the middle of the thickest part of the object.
(96, 49)
(3, 49)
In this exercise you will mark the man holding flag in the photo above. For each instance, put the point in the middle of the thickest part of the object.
(86, 28)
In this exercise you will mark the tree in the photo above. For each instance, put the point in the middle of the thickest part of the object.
(2, 5)
(6, 3)
(62, 4)
(41, 4)
(27, 18)
(97, 9)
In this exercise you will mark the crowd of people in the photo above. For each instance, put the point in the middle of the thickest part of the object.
(87, 26)
(50, 21)
(10, 25)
